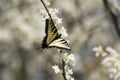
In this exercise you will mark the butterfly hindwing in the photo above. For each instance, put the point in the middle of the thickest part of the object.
(60, 43)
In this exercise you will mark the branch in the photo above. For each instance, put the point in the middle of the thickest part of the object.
(113, 16)
(63, 66)
(47, 11)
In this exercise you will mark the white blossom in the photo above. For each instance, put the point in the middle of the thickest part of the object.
(44, 14)
(72, 78)
(56, 69)
(70, 71)
(117, 76)
(59, 21)
(53, 13)
(110, 50)
(99, 51)
(62, 31)
(117, 64)
(97, 54)
(68, 76)
(47, 3)
(96, 49)
(71, 59)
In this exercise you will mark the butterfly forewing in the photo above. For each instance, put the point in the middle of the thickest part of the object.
(51, 31)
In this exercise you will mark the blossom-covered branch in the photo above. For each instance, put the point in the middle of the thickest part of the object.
(65, 56)
(111, 61)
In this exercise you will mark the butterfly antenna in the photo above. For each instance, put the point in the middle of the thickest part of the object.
(47, 10)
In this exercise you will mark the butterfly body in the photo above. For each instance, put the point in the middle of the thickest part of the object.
(53, 38)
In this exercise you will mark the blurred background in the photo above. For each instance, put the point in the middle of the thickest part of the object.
(89, 23)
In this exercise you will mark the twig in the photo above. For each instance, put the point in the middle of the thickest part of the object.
(113, 16)
(63, 66)
(47, 11)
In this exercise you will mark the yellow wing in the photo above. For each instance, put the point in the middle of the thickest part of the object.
(51, 31)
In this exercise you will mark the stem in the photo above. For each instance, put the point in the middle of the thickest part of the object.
(64, 74)
(47, 11)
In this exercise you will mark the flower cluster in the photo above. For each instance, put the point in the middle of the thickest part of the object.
(68, 72)
(111, 61)
(68, 59)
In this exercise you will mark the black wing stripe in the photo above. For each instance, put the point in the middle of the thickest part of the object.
(50, 27)
(46, 25)
(53, 28)
(65, 43)
(52, 24)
